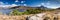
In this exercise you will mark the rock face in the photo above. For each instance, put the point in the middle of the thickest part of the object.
(45, 16)
(40, 16)
(37, 16)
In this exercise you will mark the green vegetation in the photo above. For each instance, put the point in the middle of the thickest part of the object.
(34, 11)
(16, 12)
(28, 11)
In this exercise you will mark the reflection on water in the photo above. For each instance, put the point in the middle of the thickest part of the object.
(5, 11)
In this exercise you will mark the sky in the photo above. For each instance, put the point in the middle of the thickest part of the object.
(32, 3)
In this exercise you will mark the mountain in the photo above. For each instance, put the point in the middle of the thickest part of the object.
(24, 8)
(58, 8)
(27, 7)
(20, 8)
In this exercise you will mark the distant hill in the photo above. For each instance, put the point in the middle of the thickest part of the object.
(58, 8)
(26, 7)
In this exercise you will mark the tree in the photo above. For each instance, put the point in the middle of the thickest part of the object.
(16, 12)
(34, 11)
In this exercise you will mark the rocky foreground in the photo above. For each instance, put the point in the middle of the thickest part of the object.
(40, 16)
(54, 15)
(5, 17)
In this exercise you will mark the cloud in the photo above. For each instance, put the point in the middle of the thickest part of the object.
(1, 3)
(22, 1)
(42, 3)
(7, 5)
(25, 4)
(14, 5)
(48, 3)
(52, 7)
(16, 1)
(38, 5)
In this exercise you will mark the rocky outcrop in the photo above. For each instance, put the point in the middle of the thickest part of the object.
(40, 16)
(37, 16)
(45, 16)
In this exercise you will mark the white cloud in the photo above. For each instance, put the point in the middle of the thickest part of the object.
(25, 4)
(7, 5)
(14, 5)
(38, 5)
(53, 7)
(42, 3)
(22, 1)
(16, 1)
(4, 5)
(48, 3)
(1, 3)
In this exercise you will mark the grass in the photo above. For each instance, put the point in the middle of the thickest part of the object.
(5, 17)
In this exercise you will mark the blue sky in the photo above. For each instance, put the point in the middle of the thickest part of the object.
(33, 3)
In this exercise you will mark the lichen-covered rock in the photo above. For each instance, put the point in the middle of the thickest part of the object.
(39, 16)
